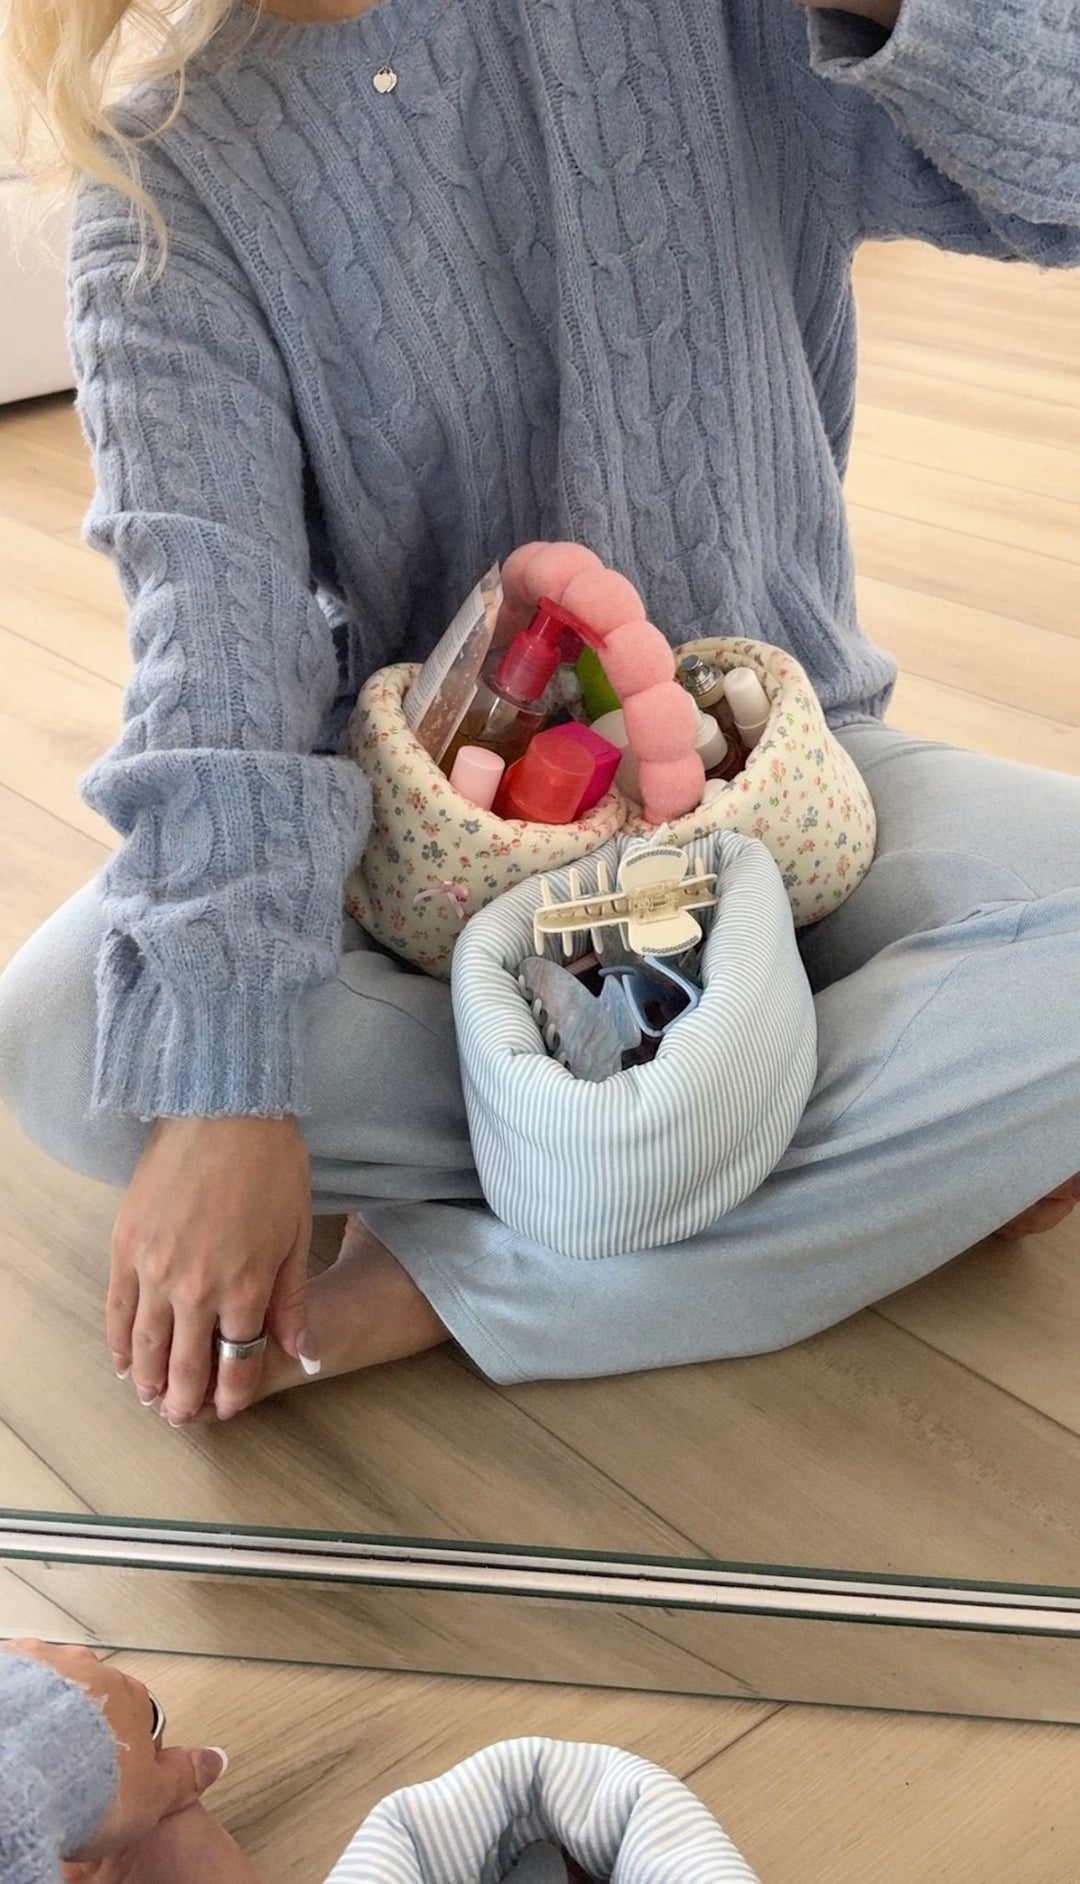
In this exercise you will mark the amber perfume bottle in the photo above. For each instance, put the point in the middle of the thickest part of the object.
(704, 682)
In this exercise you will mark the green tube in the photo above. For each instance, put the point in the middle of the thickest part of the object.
(597, 693)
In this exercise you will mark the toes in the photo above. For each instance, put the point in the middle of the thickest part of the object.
(1043, 1216)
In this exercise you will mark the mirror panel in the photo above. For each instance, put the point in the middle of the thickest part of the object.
(937, 1435)
(596, 1643)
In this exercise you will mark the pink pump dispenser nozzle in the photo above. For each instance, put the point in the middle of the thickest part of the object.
(508, 705)
(553, 636)
(509, 702)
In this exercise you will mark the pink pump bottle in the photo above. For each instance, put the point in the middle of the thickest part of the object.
(510, 703)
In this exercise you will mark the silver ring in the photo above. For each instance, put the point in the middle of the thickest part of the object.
(242, 1350)
(157, 1721)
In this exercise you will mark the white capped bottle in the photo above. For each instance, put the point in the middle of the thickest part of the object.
(720, 757)
(749, 704)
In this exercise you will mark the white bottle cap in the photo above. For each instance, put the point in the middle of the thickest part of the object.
(476, 773)
(612, 726)
(710, 742)
(749, 703)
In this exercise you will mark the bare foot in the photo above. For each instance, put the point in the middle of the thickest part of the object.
(363, 1311)
(1046, 1214)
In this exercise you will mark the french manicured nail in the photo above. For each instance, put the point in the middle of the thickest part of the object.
(123, 1373)
(210, 1764)
(151, 1402)
(308, 1351)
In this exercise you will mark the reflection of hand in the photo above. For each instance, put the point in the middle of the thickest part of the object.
(190, 1847)
(884, 12)
(150, 1784)
(212, 1236)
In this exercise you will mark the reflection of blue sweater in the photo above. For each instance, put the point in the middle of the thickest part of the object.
(57, 1770)
(584, 272)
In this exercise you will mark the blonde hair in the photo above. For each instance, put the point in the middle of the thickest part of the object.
(68, 60)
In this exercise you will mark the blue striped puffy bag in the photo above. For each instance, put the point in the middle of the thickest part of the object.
(506, 1815)
(655, 1153)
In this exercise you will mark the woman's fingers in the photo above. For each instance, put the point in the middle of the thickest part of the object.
(151, 1340)
(238, 1384)
(185, 1773)
(242, 1318)
(120, 1311)
(1040, 1217)
(286, 1317)
(216, 1208)
(191, 1357)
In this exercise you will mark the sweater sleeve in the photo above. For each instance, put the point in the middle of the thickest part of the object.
(57, 1770)
(961, 127)
(224, 899)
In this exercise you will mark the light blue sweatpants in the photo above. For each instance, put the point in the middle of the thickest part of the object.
(947, 1100)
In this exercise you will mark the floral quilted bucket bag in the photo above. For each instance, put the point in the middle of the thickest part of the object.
(433, 860)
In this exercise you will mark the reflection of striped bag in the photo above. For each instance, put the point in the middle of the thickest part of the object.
(656, 1153)
(614, 1814)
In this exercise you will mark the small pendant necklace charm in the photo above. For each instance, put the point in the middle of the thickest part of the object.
(385, 79)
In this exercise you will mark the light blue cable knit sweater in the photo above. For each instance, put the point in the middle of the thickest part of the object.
(584, 273)
(58, 1770)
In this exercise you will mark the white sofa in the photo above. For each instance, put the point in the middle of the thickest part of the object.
(34, 356)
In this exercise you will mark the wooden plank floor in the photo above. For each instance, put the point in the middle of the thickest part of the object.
(939, 1433)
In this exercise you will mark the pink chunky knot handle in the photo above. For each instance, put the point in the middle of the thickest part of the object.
(661, 719)
(799, 793)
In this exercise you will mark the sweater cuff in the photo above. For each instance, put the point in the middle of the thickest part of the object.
(170, 1052)
(58, 1770)
(919, 62)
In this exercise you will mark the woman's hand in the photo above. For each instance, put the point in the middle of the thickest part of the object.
(189, 1847)
(213, 1237)
(884, 12)
(151, 1785)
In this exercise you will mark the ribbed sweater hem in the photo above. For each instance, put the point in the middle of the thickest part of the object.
(175, 1052)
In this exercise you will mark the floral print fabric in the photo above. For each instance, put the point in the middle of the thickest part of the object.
(432, 860)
